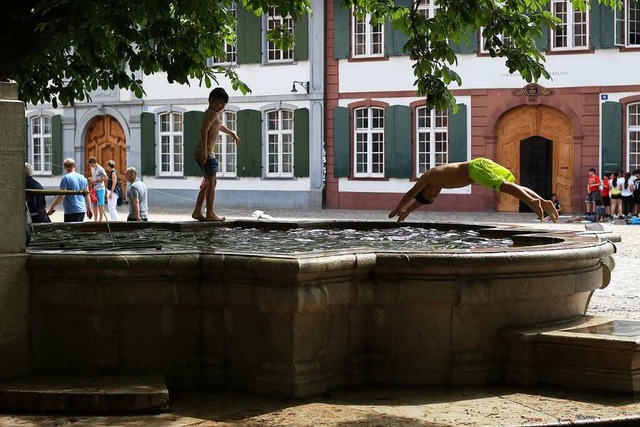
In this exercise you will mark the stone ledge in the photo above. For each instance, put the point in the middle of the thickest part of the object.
(85, 394)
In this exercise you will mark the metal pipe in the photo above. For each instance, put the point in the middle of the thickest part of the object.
(34, 191)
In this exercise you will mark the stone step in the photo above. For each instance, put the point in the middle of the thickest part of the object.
(72, 393)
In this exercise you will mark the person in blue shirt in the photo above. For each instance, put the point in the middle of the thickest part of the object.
(75, 205)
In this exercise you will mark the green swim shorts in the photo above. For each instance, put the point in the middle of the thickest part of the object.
(488, 173)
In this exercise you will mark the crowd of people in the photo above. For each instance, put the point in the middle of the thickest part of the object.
(88, 196)
(614, 196)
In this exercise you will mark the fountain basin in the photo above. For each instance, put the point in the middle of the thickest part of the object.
(305, 323)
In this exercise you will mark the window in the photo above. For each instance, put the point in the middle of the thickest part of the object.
(280, 143)
(367, 40)
(432, 139)
(41, 152)
(633, 136)
(502, 40)
(171, 145)
(273, 53)
(369, 143)
(427, 8)
(231, 49)
(226, 151)
(627, 29)
(572, 32)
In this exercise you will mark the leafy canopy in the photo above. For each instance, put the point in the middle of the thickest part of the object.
(61, 50)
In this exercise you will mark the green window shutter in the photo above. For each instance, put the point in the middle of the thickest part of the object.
(341, 143)
(301, 30)
(397, 141)
(301, 142)
(458, 135)
(56, 144)
(611, 136)
(341, 30)
(250, 148)
(191, 138)
(542, 42)
(395, 39)
(249, 37)
(602, 22)
(465, 47)
(26, 140)
(148, 143)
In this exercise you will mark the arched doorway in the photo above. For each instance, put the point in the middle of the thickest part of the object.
(105, 140)
(544, 136)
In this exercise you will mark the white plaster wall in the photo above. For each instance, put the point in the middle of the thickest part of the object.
(608, 67)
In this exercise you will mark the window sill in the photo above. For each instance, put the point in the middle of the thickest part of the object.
(368, 58)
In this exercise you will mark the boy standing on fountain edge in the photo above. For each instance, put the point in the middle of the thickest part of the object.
(455, 175)
(205, 153)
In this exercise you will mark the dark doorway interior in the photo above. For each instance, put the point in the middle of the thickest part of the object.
(536, 164)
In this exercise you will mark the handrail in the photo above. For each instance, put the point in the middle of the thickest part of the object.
(34, 191)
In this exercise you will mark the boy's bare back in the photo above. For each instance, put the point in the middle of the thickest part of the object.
(451, 175)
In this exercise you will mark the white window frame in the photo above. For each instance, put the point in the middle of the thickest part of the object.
(372, 49)
(43, 140)
(432, 130)
(624, 24)
(633, 136)
(273, 54)
(175, 139)
(279, 130)
(427, 8)
(482, 41)
(570, 24)
(226, 149)
(368, 142)
(231, 49)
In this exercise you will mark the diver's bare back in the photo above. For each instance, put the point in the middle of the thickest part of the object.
(451, 175)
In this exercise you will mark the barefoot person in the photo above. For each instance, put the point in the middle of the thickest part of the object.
(455, 175)
(205, 153)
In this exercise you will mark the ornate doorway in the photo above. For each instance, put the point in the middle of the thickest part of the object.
(105, 140)
(528, 123)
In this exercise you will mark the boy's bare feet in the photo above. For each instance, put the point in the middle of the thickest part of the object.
(214, 217)
(198, 216)
(547, 206)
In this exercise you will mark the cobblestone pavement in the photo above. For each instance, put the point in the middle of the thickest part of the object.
(375, 406)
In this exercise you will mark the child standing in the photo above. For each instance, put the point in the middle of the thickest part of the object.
(593, 192)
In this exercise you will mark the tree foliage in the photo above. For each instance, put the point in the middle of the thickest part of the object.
(61, 50)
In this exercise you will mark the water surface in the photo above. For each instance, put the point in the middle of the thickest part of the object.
(243, 239)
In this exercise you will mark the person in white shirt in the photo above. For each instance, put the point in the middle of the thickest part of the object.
(627, 194)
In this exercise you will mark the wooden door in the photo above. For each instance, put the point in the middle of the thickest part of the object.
(105, 141)
(542, 121)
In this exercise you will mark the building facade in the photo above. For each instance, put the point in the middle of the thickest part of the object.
(380, 136)
(360, 136)
(279, 162)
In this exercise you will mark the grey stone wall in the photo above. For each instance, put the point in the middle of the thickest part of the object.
(14, 282)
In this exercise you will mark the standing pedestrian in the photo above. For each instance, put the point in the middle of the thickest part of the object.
(137, 195)
(606, 199)
(636, 192)
(205, 153)
(593, 192)
(114, 192)
(75, 205)
(98, 179)
(36, 203)
(627, 194)
(615, 194)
